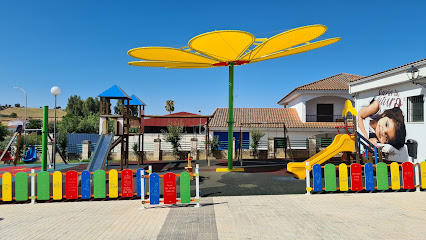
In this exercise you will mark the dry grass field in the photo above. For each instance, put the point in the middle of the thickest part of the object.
(32, 113)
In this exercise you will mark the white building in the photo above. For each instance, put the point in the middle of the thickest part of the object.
(393, 88)
(310, 111)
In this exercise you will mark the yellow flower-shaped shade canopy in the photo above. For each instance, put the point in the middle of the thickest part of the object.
(220, 48)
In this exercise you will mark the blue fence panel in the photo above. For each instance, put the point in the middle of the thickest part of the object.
(76, 139)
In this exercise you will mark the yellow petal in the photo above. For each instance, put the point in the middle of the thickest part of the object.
(286, 40)
(297, 50)
(169, 64)
(226, 45)
(168, 55)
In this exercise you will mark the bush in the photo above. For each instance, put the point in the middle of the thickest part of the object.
(173, 135)
(214, 144)
(13, 115)
(256, 135)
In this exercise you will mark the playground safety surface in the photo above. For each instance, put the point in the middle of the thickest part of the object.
(320, 216)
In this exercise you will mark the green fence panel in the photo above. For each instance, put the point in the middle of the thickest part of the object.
(185, 188)
(99, 184)
(382, 176)
(330, 177)
(21, 186)
(43, 186)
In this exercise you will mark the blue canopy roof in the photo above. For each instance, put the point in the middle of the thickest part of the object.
(136, 101)
(114, 92)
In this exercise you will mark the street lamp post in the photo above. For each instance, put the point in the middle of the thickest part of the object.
(55, 91)
(25, 120)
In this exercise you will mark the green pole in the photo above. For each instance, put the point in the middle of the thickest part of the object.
(231, 115)
(44, 138)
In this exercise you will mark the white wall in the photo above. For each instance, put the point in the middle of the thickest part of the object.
(338, 104)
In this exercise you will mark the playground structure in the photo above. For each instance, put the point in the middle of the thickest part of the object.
(31, 154)
(348, 142)
(231, 48)
(6, 155)
(43, 184)
(121, 128)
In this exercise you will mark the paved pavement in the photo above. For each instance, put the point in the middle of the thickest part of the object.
(320, 216)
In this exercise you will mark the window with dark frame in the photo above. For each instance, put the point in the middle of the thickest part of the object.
(415, 109)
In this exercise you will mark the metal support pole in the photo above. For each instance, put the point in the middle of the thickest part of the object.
(54, 140)
(44, 138)
(308, 180)
(33, 187)
(417, 174)
(230, 115)
(197, 185)
(149, 189)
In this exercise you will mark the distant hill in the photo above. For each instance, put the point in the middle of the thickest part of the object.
(32, 113)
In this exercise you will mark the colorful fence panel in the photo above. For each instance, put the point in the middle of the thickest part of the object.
(43, 185)
(343, 177)
(71, 185)
(382, 176)
(395, 178)
(57, 185)
(6, 191)
(154, 189)
(185, 188)
(86, 189)
(139, 181)
(99, 180)
(356, 177)
(407, 175)
(21, 186)
(127, 183)
(423, 174)
(169, 188)
(113, 184)
(369, 177)
(330, 177)
(317, 175)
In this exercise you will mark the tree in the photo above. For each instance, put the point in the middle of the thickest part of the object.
(13, 115)
(34, 124)
(3, 132)
(89, 124)
(90, 106)
(256, 135)
(133, 109)
(173, 135)
(17, 105)
(170, 106)
(75, 106)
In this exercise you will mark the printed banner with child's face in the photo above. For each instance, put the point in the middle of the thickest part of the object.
(381, 121)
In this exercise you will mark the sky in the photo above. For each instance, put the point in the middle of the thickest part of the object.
(81, 47)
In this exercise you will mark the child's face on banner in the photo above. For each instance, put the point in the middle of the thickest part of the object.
(385, 130)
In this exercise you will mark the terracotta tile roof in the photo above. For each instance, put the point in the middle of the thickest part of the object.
(186, 122)
(393, 69)
(336, 82)
(265, 115)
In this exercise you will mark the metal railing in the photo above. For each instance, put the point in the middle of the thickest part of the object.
(324, 118)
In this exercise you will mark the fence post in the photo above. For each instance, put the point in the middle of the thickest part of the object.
(197, 185)
(32, 186)
(416, 172)
(308, 180)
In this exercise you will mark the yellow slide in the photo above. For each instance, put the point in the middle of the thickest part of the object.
(341, 143)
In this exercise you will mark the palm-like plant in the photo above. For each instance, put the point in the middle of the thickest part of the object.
(170, 106)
